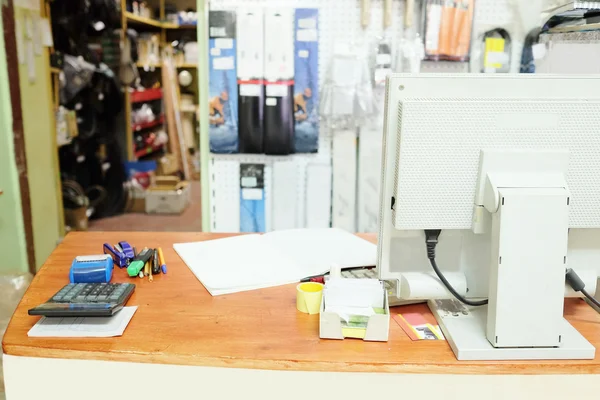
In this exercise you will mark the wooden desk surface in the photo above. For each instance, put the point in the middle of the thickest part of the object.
(178, 322)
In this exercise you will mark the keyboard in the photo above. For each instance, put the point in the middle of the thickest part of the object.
(86, 300)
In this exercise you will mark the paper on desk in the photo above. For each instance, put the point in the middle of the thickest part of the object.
(83, 326)
(357, 293)
(251, 262)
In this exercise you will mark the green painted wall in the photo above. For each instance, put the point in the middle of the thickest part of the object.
(40, 148)
(12, 233)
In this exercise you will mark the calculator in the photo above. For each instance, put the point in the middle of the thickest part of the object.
(86, 300)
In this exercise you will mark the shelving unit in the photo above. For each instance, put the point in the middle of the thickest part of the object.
(161, 27)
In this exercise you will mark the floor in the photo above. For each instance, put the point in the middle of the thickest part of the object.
(189, 221)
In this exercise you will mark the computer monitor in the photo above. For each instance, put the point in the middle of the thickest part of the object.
(502, 174)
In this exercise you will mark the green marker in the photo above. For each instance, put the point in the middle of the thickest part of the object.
(139, 261)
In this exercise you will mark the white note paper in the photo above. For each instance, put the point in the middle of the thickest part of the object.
(83, 326)
(250, 262)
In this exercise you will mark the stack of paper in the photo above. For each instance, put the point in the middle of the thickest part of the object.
(251, 262)
(354, 297)
(83, 326)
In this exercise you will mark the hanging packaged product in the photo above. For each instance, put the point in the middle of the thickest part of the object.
(279, 81)
(448, 25)
(496, 51)
(252, 198)
(306, 81)
(383, 62)
(223, 96)
(250, 53)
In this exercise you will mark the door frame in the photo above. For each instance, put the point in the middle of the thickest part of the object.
(10, 42)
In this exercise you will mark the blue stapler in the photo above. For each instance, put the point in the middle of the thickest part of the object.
(91, 269)
(127, 250)
(118, 257)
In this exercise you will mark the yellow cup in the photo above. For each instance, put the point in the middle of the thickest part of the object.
(308, 297)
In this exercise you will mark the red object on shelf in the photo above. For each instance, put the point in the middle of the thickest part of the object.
(148, 150)
(139, 96)
(146, 125)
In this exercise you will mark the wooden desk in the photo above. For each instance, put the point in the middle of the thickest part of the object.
(239, 336)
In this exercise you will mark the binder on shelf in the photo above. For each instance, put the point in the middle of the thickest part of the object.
(279, 81)
(250, 70)
(223, 90)
(306, 80)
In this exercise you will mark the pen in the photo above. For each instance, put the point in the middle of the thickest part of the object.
(162, 261)
(317, 278)
(155, 263)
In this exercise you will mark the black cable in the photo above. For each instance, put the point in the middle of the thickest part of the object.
(590, 298)
(431, 240)
(577, 285)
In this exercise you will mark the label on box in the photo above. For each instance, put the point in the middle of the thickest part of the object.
(252, 90)
(216, 31)
(494, 57)
(225, 43)
(252, 194)
(383, 59)
(277, 90)
(224, 63)
(249, 181)
(303, 54)
(271, 101)
(307, 23)
(307, 35)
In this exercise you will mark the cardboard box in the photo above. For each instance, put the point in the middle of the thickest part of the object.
(168, 198)
(77, 218)
(279, 76)
(251, 89)
(306, 81)
(252, 198)
(137, 203)
(167, 165)
(223, 89)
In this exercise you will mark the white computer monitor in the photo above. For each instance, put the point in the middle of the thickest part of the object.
(508, 168)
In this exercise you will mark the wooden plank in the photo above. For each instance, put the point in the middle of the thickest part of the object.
(172, 106)
(179, 322)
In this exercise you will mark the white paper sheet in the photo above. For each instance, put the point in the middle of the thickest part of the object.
(83, 326)
(251, 262)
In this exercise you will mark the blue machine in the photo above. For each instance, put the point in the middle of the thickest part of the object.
(91, 269)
